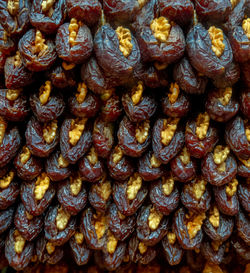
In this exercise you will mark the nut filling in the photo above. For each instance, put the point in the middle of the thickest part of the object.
(13, 7)
(77, 128)
(49, 131)
(73, 31)
(214, 217)
(161, 29)
(68, 66)
(41, 186)
(100, 225)
(107, 94)
(142, 131)
(19, 242)
(137, 93)
(50, 248)
(111, 243)
(194, 223)
(168, 131)
(171, 237)
(216, 245)
(13, 94)
(62, 219)
(62, 162)
(155, 162)
(125, 38)
(199, 188)
(217, 38)
(226, 96)
(246, 27)
(44, 92)
(247, 129)
(79, 238)
(185, 156)
(25, 155)
(154, 219)
(40, 46)
(167, 185)
(234, 3)
(81, 92)
(245, 162)
(202, 125)
(92, 156)
(142, 3)
(220, 156)
(142, 248)
(174, 92)
(3, 126)
(6, 180)
(231, 187)
(134, 185)
(75, 184)
(104, 189)
(117, 155)
(47, 5)
(17, 59)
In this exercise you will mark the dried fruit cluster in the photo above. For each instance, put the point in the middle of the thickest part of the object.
(125, 134)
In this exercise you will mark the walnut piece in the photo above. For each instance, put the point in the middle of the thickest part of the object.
(68, 66)
(217, 38)
(171, 237)
(142, 131)
(202, 125)
(226, 95)
(107, 94)
(134, 185)
(75, 184)
(3, 126)
(13, 94)
(62, 162)
(100, 225)
(216, 245)
(44, 92)
(154, 219)
(73, 31)
(111, 243)
(6, 180)
(104, 188)
(168, 131)
(19, 242)
(17, 59)
(25, 155)
(231, 187)
(13, 7)
(29, 216)
(174, 92)
(141, 3)
(247, 129)
(160, 28)
(185, 156)
(125, 38)
(92, 156)
(194, 223)
(77, 128)
(167, 185)
(79, 238)
(50, 248)
(49, 131)
(212, 268)
(246, 162)
(121, 216)
(47, 4)
(62, 219)
(40, 45)
(142, 248)
(220, 155)
(234, 3)
(81, 92)
(214, 217)
(246, 27)
(198, 188)
(41, 186)
(137, 93)
(117, 155)
(155, 162)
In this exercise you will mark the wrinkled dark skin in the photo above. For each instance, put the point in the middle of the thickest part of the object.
(7, 45)
(125, 206)
(241, 248)
(245, 102)
(35, 140)
(36, 61)
(211, 173)
(242, 168)
(111, 109)
(73, 153)
(87, 11)
(33, 206)
(179, 223)
(242, 224)
(189, 200)
(121, 228)
(79, 52)
(17, 261)
(49, 111)
(245, 73)
(6, 218)
(121, 170)
(73, 204)
(144, 233)
(162, 152)
(9, 195)
(244, 194)
(3, 58)
(45, 22)
(165, 204)
(18, 23)
(226, 204)
(103, 137)
(50, 229)
(146, 170)
(196, 147)
(13, 110)
(10, 145)
(202, 58)
(53, 170)
(29, 229)
(210, 254)
(42, 254)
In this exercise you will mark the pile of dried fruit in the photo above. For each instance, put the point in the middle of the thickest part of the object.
(124, 132)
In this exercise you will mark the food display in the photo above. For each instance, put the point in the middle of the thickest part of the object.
(125, 136)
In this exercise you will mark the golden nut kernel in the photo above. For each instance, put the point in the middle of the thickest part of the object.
(155, 162)
(81, 92)
(19, 242)
(168, 130)
(125, 38)
(6, 180)
(75, 184)
(40, 45)
(117, 155)
(234, 3)
(195, 224)
(212, 268)
(68, 66)
(50, 248)
(216, 245)
(100, 226)
(154, 219)
(160, 66)
(13, 7)
(198, 188)
(47, 4)
(142, 131)
(134, 185)
(137, 93)
(247, 129)
(77, 128)
(214, 217)
(3, 126)
(185, 156)
(225, 95)
(142, 3)
(220, 154)
(121, 216)
(49, 131)
(104, 189)
(142, 248)
(202, 124)
(44, 92)
(161, 29)
(17, 59)
(174, 92)
(107, 94)
(171, 237)
(73, 31)
(29, 216)
(231, 187)
(62, 162)
(41, 186)
(79, 238)
(246, 27)
(92, 156)
(246, 162)
(62, 219)
(167, 185)
(111, 243)
(217, 38)
(13, 94)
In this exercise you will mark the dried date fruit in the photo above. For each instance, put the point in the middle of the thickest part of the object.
(38, 195)
(111, 106)
(28, 226)
(3, 58)
(120, 166)
(242, 224)
(41, 138)
(200, 136)
(221, 105)
(72, 194)
(37, 52)
(245, 72)
(129, 195)
(75, 138)
(167, 139)
(213, 251)
(17, 250)
(74, 43)
(46, 106)
(59, 225)
(151, 225)
(245, 102)
(219, 167)
(6, 218)
(244, 193)
(196, 195)
(183, 166)
(243, 167)
(57, 167)
(47, 16)
(164, 194)
(7, 45)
